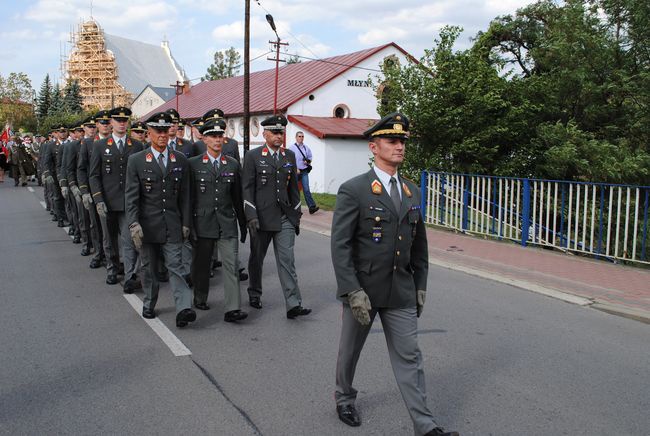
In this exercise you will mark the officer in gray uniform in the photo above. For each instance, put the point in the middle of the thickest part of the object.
(230, 146)
(159, 215)
(380, 258)
(217, 207)
(272, 207)
(69, 148)
(70, 162)
(107, 183)
(97, 127)
(50, 172)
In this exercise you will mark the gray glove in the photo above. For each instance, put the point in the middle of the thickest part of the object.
(43, 179)
(422, 295)
(360, 305)
(186, 233)
(137, 235)
(49, 180)
(102, 210)
(76, 192)
(87, 200)
(65, 192)
(253, 226)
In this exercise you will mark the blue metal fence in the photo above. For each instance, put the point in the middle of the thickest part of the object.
(604, 220)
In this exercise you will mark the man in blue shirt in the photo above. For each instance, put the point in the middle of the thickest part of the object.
(303, 161)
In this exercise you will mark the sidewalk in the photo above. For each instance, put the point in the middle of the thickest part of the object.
(616, 289)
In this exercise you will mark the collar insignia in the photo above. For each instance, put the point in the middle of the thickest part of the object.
(128, 142)
(265, 152)
(110, 141)
(206, 159)
(376, 187)
(223, 160)
(172, 157)
(149, 157)
(406, 190)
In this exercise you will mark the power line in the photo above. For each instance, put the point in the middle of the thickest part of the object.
(236, 66)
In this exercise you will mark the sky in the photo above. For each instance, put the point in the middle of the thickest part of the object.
(35, 34)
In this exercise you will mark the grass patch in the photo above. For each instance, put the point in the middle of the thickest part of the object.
(324, 201)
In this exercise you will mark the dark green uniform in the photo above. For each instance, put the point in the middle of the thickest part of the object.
(96, 233)
(50, 169)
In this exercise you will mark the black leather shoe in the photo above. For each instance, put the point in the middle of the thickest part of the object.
(297, 311)
(95, 263)
(243, 275)
(54, 218)
(188, 280)
(71, 231)
(148, 313)
(132, 285)
(85, 251)
(111, 279)
(185, 316)
(439, 431)
(234, 315)
(76, 240)
(120, 269)
(349, 415)
(313, 210)
(201, 306)
(255, 302)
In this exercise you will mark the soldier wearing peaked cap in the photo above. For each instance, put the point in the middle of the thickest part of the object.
(230, 146)
(68, 182)
(138, 130)
(107, 183)
(272, 207)
(218, 212)
(159, 215)
(50, 172)
(380, 258)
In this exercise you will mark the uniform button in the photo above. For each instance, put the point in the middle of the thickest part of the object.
(163, 199)
(163, 190)
(399, 237)
(377, 219)
(397, 252)
(395, 267)
(163, 210)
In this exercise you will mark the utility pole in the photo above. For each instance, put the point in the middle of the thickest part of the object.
(179, 91)
(247, 77)
(277, 60)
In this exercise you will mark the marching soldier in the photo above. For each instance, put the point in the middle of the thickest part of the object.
(107, 183)
(380, 257)
(159, 216)
(70, 148)
(95, 128)
(230, 146)
(47, 194)
(272, 206)
(217, 207)
(70, 162)
(50, 173)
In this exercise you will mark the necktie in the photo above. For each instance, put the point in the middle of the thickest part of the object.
(216, 165)
(275, 157)
(120, 144)
(172, 145)
(394, 194)
(161, 162)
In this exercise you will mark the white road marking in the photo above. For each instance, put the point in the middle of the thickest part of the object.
(30, 189)
(174, 344)
(43, 204)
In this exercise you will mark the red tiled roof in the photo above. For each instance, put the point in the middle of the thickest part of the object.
(327, 127)
(295, 82)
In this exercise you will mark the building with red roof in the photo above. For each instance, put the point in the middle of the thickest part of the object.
(332, 100)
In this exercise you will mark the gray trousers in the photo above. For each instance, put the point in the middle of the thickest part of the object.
(149, 257)
(71, 212)
(283, 242)
(228, 247)
(84, 222)
(401, 332)
(114, 226)
(186, 257)
(96, 233)
(47, 196)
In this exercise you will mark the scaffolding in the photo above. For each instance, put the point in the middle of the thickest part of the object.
(95, 69)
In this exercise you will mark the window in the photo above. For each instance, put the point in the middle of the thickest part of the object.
(341, 111)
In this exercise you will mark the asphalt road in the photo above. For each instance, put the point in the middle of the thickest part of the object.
(77, 358)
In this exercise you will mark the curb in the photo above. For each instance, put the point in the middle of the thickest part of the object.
(613, 309)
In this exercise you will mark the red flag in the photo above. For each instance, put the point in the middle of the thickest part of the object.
(6, 134)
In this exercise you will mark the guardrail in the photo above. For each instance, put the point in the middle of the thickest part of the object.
(604, 220)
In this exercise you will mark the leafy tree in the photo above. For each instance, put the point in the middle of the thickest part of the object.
(72, 99)
(43, 100)
(56, 101)
(16, 101)
(16, 87)
(226, 64)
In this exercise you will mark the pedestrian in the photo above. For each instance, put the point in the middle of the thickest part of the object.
(107, 176)
(272, 206)
(303, 161)
(380, 258)
(159, 216)
(217, 208)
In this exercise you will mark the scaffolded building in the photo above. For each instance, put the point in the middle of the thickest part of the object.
(112, 70)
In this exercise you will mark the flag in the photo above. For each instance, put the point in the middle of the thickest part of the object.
(6, 134)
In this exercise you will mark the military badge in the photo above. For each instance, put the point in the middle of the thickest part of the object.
(128, 142)
(376, 233)
(206, 159)
(107, 151)
(149, 157)
(172, 157)
(406, 190)
(376, 187)
(110, 141)
(223, 161)
(265, 152)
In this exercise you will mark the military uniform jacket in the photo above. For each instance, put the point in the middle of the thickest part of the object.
(377, 248)
(201, 147)
(60, 173)
(159, 201)
(217, 204)
(83, 164)
(69, 154)
(50, 159)
(108, 171)
(186, 147)
(231, 148)
(270, 189)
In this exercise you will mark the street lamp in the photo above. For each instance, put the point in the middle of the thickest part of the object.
(277, 43)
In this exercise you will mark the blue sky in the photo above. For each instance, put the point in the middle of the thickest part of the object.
(35, 33)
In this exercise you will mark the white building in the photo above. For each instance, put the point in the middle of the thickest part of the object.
(150, 98)
(331, 100)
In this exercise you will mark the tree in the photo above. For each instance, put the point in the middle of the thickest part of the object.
(226, 64)
(294, 59)
(72, 99)
(43, 100)
(16, 101)
(56, 101)
(16, 87)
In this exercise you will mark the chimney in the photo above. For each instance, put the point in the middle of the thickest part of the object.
(186, 86)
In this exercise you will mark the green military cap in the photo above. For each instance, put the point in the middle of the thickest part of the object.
(160, 120)
(213, 114)
(103, 117)
(198, 123)
(215, 126)
(174, 114)
(78, 126)
(60, 128)
(139, 126)
(89, 122)
(121, 113)
(182, 123)
(394, 125)
(275, 123)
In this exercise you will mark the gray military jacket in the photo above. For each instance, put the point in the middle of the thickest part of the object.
(377, 248)
(107, 174)
(270, 189)
(83, 164)
(50, 160)
(68, 159)
(159, 201)
(217, 204)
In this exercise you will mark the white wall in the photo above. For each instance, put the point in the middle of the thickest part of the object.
(145, 103)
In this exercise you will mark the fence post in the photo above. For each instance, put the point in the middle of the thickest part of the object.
(423, 195)
(465, 204)
(525, 214)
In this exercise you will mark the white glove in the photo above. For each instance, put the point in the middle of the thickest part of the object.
(137, 235)
(422, 295)
(65, 192)
(75, 191)
(186, 233)
(102, 210)
(360, 305)
(87, 200)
